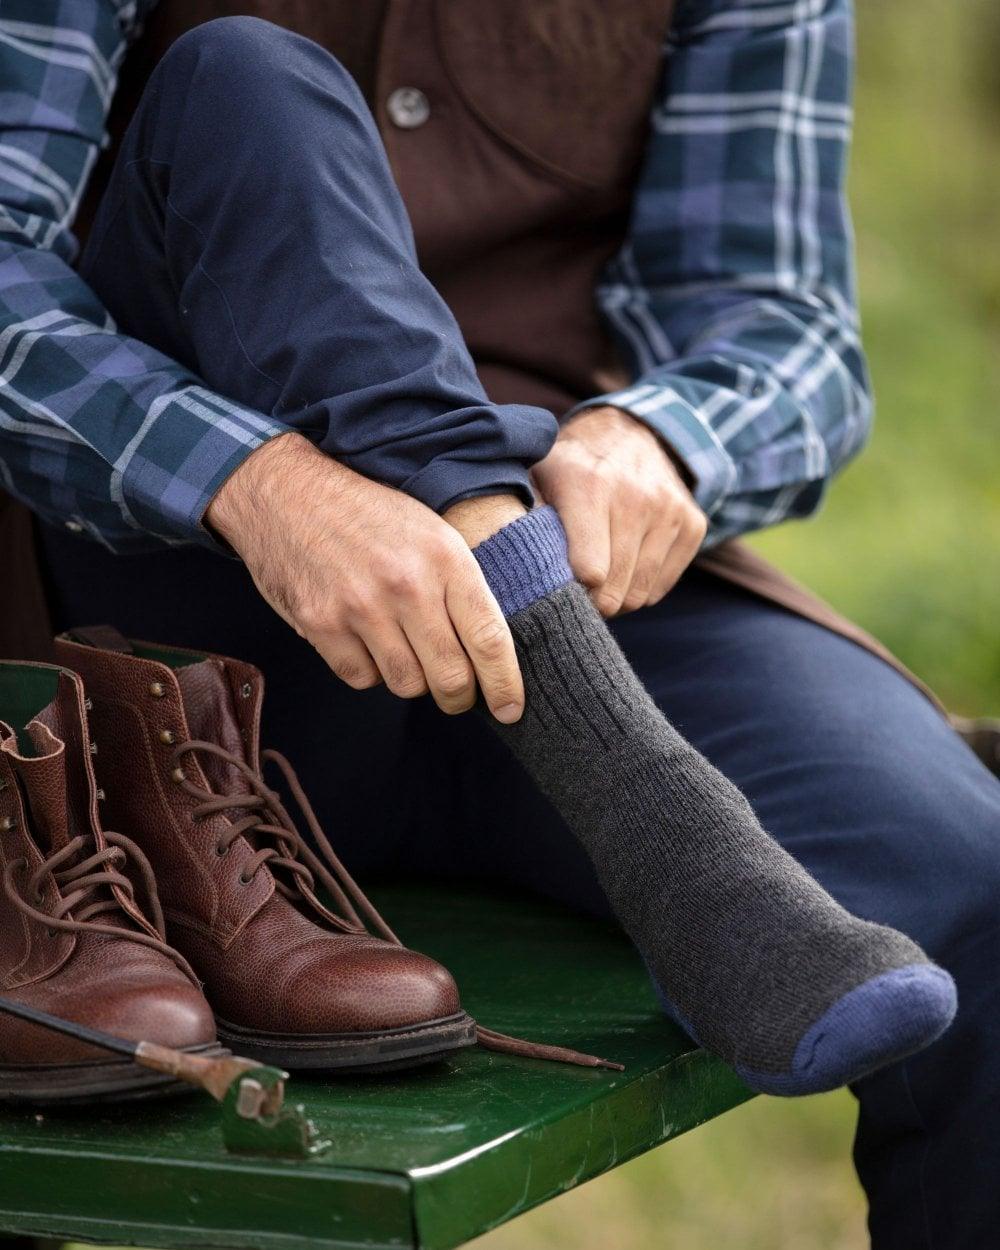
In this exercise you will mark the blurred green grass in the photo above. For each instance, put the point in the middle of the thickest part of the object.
(908, 544)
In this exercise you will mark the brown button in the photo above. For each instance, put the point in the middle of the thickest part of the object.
(408, 108)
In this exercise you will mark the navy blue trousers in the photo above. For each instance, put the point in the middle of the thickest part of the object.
(844, 761)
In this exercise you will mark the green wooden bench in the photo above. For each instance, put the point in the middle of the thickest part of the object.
(430, 1158)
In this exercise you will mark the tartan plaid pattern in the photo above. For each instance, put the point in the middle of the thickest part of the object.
(732, 299)
(97, 430)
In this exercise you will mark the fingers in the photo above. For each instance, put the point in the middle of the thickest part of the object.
(587, 522)
(446, 667)
(350, 660)
(685, 546)
(653, 555)
(396, 660)
(627, 531)
(487, 641)
(648, 556)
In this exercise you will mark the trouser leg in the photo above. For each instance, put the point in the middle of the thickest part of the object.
(252, 230)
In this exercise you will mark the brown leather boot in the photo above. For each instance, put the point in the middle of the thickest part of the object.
(74, 941)
(298, 966)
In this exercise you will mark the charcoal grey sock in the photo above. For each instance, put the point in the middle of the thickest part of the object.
(754, 959)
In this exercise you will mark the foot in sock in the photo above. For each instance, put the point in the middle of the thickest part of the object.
(757, 962)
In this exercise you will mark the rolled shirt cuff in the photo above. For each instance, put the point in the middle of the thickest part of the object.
(183, 452)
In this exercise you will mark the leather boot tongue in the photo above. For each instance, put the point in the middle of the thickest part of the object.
(51, 797)
(211, 716)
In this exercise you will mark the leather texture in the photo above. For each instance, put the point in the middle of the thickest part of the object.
(271, 960)
(117, 981)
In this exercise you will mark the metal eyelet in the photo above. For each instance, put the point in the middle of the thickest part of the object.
(88, 703)
(101, 796)
(244, 879)
(93, 748)
(221, 851)
(167, 737)
(157, 689)
(7, 824)
(178, 775)
(246, 690)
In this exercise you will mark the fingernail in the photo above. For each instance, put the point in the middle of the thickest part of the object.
(508, 714)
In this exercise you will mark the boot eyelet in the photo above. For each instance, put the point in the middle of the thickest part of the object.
(221, 851)
(51, 933)
(246, 690)
(39, 899)
(157, 689)
(178, 775)
(7, 824)
(167, 737)
(244, 879)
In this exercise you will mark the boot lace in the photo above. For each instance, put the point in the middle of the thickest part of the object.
(265, 817)
(85, 888)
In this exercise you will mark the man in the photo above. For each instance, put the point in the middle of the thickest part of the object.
(280, 377)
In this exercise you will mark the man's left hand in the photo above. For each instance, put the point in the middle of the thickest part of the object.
(632, 524)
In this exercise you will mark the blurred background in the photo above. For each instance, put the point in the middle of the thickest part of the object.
(908, 544)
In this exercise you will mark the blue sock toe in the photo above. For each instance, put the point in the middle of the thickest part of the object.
(873, 1025)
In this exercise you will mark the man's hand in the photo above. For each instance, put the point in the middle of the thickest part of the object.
(383, 588)
(632, 524)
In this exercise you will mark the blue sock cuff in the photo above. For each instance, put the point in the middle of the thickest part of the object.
(526, 560)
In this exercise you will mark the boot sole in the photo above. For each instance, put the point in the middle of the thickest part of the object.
(79, 1084)
(379, 1051)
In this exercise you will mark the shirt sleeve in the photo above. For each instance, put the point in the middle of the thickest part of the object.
(98, 432)
(733, 297)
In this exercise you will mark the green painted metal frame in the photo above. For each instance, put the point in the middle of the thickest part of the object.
(428, 1159)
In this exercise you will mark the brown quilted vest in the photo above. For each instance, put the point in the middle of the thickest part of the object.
(517, 162)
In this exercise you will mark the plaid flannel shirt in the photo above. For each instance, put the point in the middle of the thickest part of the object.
(732, 297)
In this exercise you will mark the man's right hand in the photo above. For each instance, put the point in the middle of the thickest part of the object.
(382, 587)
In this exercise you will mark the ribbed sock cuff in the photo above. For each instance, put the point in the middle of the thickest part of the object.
(526, 560)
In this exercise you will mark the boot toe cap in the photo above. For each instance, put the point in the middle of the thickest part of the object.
(370, 988)
(173, 1014)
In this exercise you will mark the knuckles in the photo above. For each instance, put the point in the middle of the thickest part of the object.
(315, 619)
(488, 639)
(407, 683)
(356, 677)
(607, 603)
(699, 526)
(455, 683)
(590, 573)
